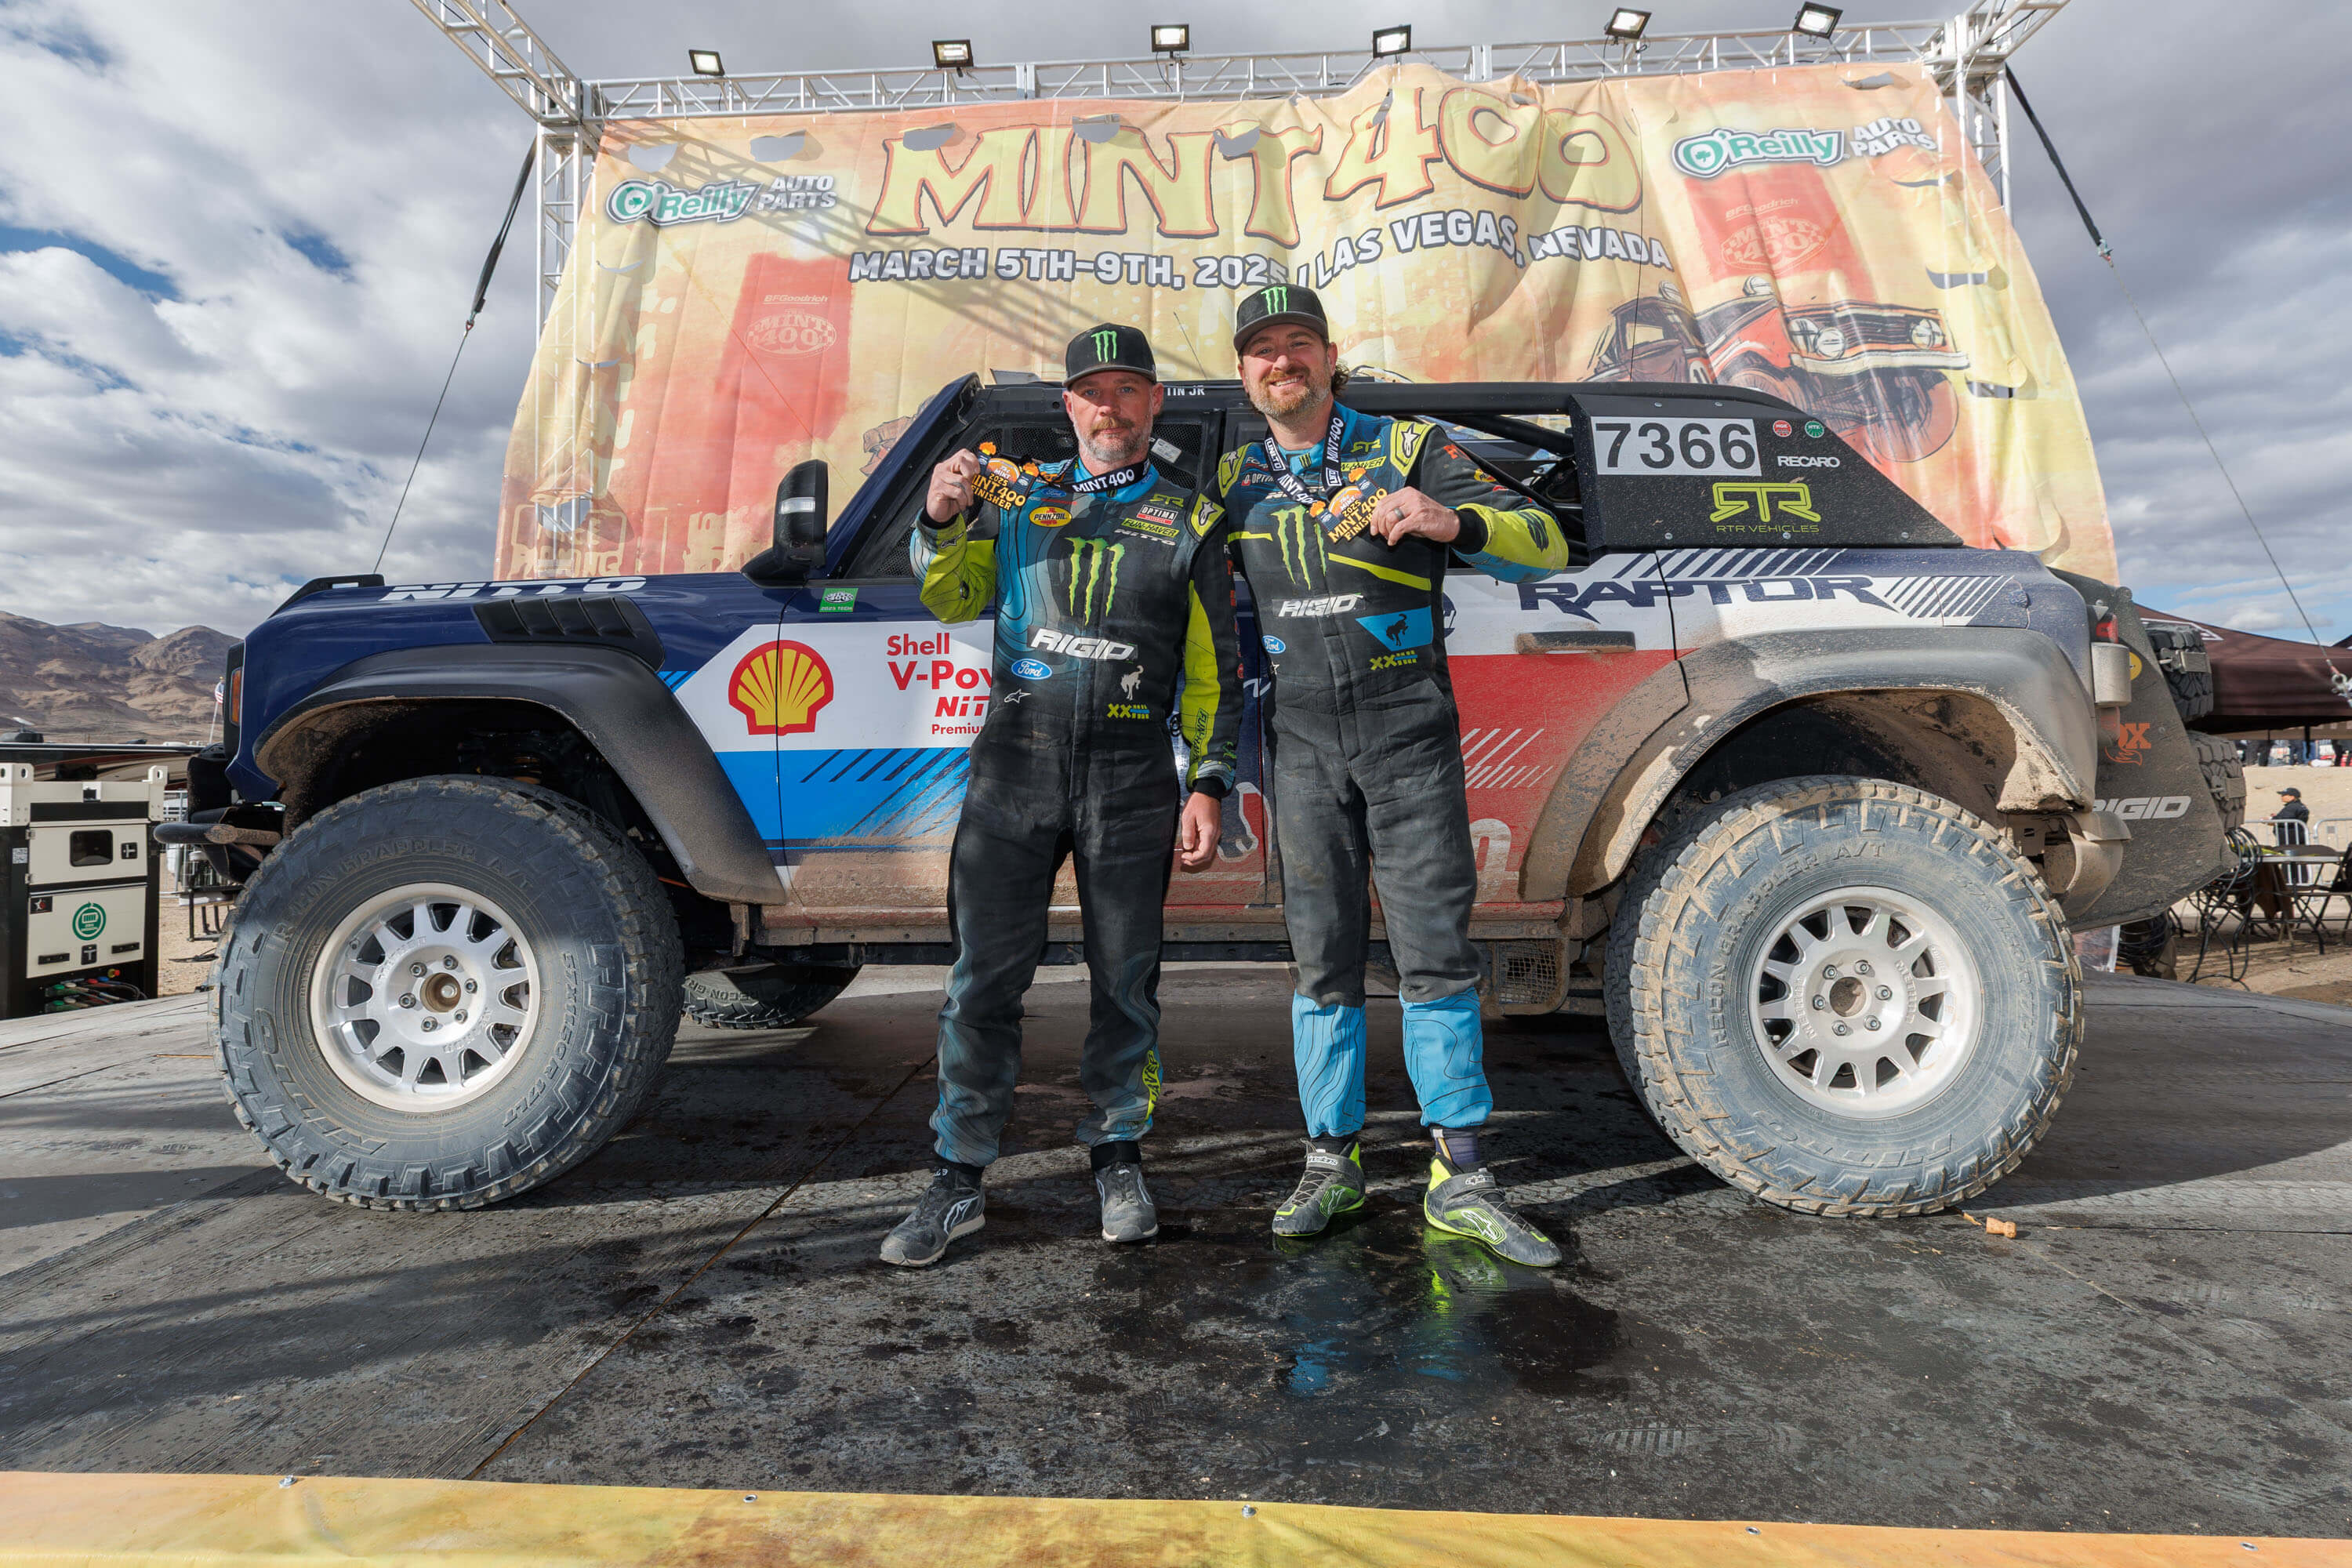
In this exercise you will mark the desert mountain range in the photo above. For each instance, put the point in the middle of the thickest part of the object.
(96, 682)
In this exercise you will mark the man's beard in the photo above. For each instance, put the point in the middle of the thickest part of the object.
(1115, 448)
(1280, 401)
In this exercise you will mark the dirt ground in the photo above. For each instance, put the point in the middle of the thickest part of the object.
(2328, 790)
(186, 963)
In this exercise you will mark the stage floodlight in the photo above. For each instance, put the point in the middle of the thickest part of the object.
(1387, 41)
(1625, 25)
(1816, 21)
(706, 62)
(1172, 38)
(951, 53)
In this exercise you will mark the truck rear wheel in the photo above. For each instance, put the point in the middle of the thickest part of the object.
(774, 997)
(443, 992)
(1846, 995)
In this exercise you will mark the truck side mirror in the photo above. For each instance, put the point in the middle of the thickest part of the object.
(796, 551)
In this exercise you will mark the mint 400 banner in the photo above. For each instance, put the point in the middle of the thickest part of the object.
(747, 293)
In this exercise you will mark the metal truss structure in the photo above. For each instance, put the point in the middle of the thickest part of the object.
(1967, 53)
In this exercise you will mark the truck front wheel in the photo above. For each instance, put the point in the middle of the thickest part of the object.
(443, 992)
(1846, 995)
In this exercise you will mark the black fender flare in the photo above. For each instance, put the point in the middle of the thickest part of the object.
(617, 704)
(1629, 764)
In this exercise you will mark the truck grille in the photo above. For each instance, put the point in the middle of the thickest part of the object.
(1527, 976)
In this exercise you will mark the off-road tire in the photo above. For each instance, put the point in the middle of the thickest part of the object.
(2188, 668)
(773, 998)
(607, 961)
(1725, 878)
(2225, 776)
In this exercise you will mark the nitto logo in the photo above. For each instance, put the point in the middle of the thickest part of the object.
(1330, 604)
(1064, 644)
(2146, 807)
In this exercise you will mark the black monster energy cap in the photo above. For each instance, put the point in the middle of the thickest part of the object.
(1281, 303)
(1106, 347)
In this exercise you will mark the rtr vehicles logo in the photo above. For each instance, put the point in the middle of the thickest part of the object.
(1793, 497)
(779, 687)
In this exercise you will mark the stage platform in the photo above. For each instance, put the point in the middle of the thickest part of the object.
(2165, 1347)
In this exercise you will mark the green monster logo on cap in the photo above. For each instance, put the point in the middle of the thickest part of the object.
(1276, 300)
(88, 921)
(1105, 345)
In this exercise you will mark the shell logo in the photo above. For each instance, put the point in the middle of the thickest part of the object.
(779, 687)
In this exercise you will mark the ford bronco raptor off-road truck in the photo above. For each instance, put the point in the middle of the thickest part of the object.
(1801, 793)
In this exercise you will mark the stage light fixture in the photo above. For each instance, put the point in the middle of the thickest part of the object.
(706, 62)
(1816, 21)
(1625, 25)
(1170, 38)
(1387, 41)
(951, 53)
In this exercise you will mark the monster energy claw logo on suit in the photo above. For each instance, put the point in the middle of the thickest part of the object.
(1087, 559)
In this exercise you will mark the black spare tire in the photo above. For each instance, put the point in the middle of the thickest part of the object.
(1846, 995)
(769, 997)
(443, 992)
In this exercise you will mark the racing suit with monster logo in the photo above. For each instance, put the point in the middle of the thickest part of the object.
(1105, 603)
(1367, 752)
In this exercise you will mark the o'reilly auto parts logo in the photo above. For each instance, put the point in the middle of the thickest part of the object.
(1703, 157)
(661, 204)
(88, 921)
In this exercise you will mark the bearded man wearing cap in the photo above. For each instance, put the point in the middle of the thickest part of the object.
(1345, 524)
(1112, 587)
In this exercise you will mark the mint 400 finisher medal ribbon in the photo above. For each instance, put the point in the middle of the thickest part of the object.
(1004, 483)
(1350, 510)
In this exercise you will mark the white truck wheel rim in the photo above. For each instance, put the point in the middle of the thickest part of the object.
(1865, 1002)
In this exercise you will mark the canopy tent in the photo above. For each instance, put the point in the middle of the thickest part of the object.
(2269, 683)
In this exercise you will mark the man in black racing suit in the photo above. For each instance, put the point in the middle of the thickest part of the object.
(1111, 585)
(1344, 524)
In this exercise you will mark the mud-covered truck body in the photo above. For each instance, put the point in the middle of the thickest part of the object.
(1801, 793)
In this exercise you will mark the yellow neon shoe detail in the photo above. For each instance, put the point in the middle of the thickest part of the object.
(1332, 1184)
(1470, 1204)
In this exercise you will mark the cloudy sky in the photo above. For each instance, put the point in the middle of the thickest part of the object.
(237, 244)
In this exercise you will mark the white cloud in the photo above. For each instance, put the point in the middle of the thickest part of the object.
(187, 459)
